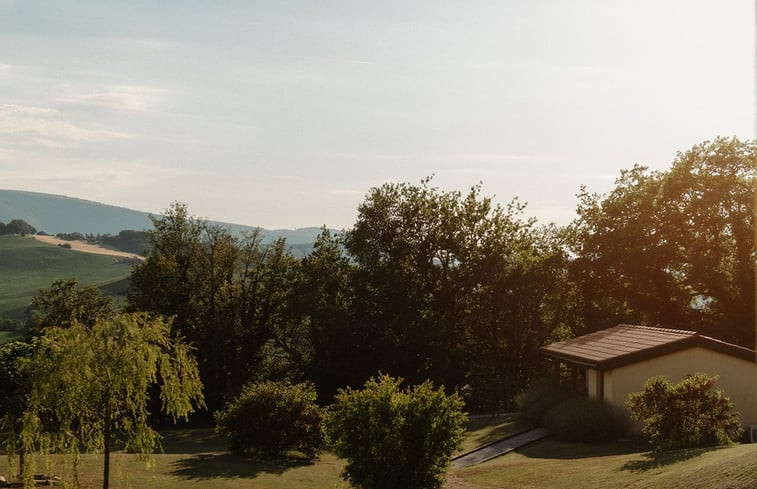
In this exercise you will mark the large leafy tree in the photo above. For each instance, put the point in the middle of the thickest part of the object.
(91, 384)
(673, 248)
(453, 288)
(231, 297)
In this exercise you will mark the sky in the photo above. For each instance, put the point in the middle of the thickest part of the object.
(283, 114)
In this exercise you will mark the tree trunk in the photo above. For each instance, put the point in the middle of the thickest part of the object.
(106, 448)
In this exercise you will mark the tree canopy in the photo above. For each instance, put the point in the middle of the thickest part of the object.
(453, 288)
(673, 248)
(65, 303)
(230, 297)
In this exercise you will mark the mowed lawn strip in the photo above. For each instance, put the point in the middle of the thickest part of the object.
(197, 458)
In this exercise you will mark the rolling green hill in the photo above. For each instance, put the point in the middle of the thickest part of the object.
(27, 265)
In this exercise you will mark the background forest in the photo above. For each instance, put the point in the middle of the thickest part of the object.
(445, 286)
(431, 284)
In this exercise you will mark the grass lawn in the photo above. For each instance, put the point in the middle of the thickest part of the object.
(553, 464)
(197, 458)
(482, 430)
(6, 336)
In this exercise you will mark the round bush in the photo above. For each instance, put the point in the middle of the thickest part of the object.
(685, 415)
(271, 418)
(583, 419)
(393, 437)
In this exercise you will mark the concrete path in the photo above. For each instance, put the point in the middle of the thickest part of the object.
(499, 448)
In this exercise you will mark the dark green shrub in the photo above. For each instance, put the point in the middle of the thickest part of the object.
(540, 396)
(685, 415)
(583, 419)
(395, 439)
(271, 418)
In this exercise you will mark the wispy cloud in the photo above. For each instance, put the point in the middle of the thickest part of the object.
(98, 180)
(135, 98)
(47, 127)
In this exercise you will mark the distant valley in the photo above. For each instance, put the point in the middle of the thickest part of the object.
(55, 214)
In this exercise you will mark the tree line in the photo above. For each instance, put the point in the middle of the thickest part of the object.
(17, 226)
(428, 285)
(449, 286)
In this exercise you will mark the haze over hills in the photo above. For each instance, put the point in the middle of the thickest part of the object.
(55, 214)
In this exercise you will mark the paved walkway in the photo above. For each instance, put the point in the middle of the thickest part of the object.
(500, 448)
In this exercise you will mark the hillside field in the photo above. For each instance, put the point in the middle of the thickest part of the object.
(27, 265)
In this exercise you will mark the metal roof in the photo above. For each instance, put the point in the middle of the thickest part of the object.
(626, 344)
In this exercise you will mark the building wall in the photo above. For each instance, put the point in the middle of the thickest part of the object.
(737, 378)
(592, 383)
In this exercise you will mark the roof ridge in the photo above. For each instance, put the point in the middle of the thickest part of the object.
(664, 330)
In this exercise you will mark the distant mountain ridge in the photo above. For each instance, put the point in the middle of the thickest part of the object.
(55, 214)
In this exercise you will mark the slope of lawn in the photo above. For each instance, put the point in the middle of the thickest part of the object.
(27, 265)
(553, 464)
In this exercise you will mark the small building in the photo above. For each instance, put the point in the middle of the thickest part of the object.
(611, 364)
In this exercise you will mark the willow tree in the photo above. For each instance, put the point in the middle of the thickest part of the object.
(87, 384)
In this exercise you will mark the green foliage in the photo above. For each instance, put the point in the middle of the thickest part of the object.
(13, 394)
(673, 247)
(541, 396)
(65, 303)
(271, 418)
(684, 415)
(18, 226)
(325, 297)
(126, 240)
(395, 438)
(583, 419)
(89, 383)
(232, 298)
(454, 288)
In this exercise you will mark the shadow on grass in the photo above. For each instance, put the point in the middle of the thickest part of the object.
(208, 466)
(499, 433)
(192, 440)
(552, 448)
(655, 460)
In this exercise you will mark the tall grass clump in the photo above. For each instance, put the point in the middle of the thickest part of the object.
(541, 396)
(582, 419)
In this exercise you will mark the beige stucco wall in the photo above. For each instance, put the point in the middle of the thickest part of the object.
(738, 378)
(592, 382)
